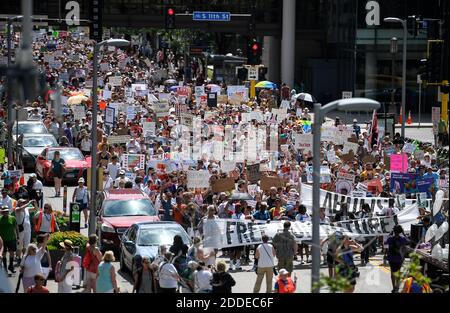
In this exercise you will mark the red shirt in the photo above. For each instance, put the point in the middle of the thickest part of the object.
(34, 289)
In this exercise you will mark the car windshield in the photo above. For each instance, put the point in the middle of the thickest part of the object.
(142, 207)
(67, 154)
(30, 128)
(156, 236)
(40, 141)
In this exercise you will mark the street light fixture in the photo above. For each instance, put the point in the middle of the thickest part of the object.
(109, 42)
(405, 41)
(353, 104)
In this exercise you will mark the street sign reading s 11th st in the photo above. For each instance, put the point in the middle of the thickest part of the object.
(211, 16)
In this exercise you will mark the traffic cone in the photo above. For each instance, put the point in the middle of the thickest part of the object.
(409, 121)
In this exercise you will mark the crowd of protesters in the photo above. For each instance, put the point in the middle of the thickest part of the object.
(66, 61)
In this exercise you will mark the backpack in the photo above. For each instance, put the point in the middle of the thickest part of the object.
(181, 264)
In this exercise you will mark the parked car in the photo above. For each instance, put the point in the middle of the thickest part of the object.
(76, 164)
(28, 127)
(31, 145)
(144, 239)
(119, 209)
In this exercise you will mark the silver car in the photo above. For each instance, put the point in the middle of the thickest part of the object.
(145, 239)
(32, 145)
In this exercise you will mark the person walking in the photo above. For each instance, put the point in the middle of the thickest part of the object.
(31, 263)
(396, 255)
(45, 221)
(58, 168)
(222, 281)
(168, 275)
(203, 278)
(106, 276)
(46, 261)
(9, 232)
(22, 214)
(144, 278)
(285, 283)
(81, 196)
(91, 261)
(64, 268)
(346, 265)
(265, 254)
(187, 280)
(38, 286)
(285, 247)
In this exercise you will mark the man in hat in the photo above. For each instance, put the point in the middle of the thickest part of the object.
(81, 196)
(356, 128)
(22, 214)
(6, 200)
(9, 232)
(120, 178)
(284, 283)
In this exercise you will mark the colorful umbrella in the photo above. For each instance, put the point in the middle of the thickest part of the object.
(171, 82)
(266, 84)
(209, 86)
(174, 88)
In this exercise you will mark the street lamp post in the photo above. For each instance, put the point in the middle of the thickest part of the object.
(353, 104)
(394, 50)
(405, 44)
(97, 46)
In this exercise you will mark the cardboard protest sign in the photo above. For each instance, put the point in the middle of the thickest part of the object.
(346, 176)
(359, 194)
(253, 173)
(118, 139)
(110, 115)
(268, 182)
(399, 163)
(368, 159)
(161, 109)
(350, 146)
(227, 166)
(134, 160)
(223, 184)
(149, 129)
(222, 99)
(115, 81)
(198, 179)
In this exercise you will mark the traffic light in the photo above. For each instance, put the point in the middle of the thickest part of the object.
(435, 60)
(242, 73)
(424, 70)
(254, 52)
(413, 25)
(170, 18)
(262, 72)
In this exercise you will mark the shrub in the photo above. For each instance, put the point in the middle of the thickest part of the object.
(77, 239)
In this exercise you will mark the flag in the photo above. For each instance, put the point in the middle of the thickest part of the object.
(373, 137)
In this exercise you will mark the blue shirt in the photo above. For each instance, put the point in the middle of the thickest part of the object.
(104, 283)
(262, 216)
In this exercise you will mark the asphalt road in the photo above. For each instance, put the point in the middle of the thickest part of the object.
(375, 278)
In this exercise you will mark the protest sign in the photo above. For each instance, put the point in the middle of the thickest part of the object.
(350, 146)
(223, 184)
(134, 160)
(198, 179)
(115, 81)
(222, 99)
(118, 139)
(184, 91)
(346, 176)
(199, 90)
(303, 141)
(227, 166)
(131, 113)
(406, 183)
(239, 92)
(253, 173)
(110, 116)
(399, 163)
(344, 186)
(331, 156)
(79, 112)
(359, 194)
(268, 182)
(149, 129)
(161, 109)
(15, 173)
(409, 148)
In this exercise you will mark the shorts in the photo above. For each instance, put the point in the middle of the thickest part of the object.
(83, 206)
(330, 260)
(395, 266)
(10, 245)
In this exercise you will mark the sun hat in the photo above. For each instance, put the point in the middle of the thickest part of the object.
(66, 243)
(283, 271)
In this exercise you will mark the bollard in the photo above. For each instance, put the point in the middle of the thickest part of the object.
(65, 200)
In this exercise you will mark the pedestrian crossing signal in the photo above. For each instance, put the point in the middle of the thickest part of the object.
(170, 18)
(254, 52)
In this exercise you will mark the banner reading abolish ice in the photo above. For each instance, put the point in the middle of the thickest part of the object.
(225, 233)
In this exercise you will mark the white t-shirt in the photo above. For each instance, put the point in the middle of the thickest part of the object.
(23, 216)
(113, 170)
(166, 275)
(266, 258)
(38, 185)
(86, 145)
(389, 211)
(203, 280)
(45, 224)
(7, 202)
(239, 216)
(32, 263)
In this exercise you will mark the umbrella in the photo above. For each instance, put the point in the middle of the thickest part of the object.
(243, 196)
(174, 88)
(77, 99)
(209, 86)
(266, 84)
(306, 97)
(170, 82)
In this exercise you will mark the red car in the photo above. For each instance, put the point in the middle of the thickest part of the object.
(76, 164)
(119, 209)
